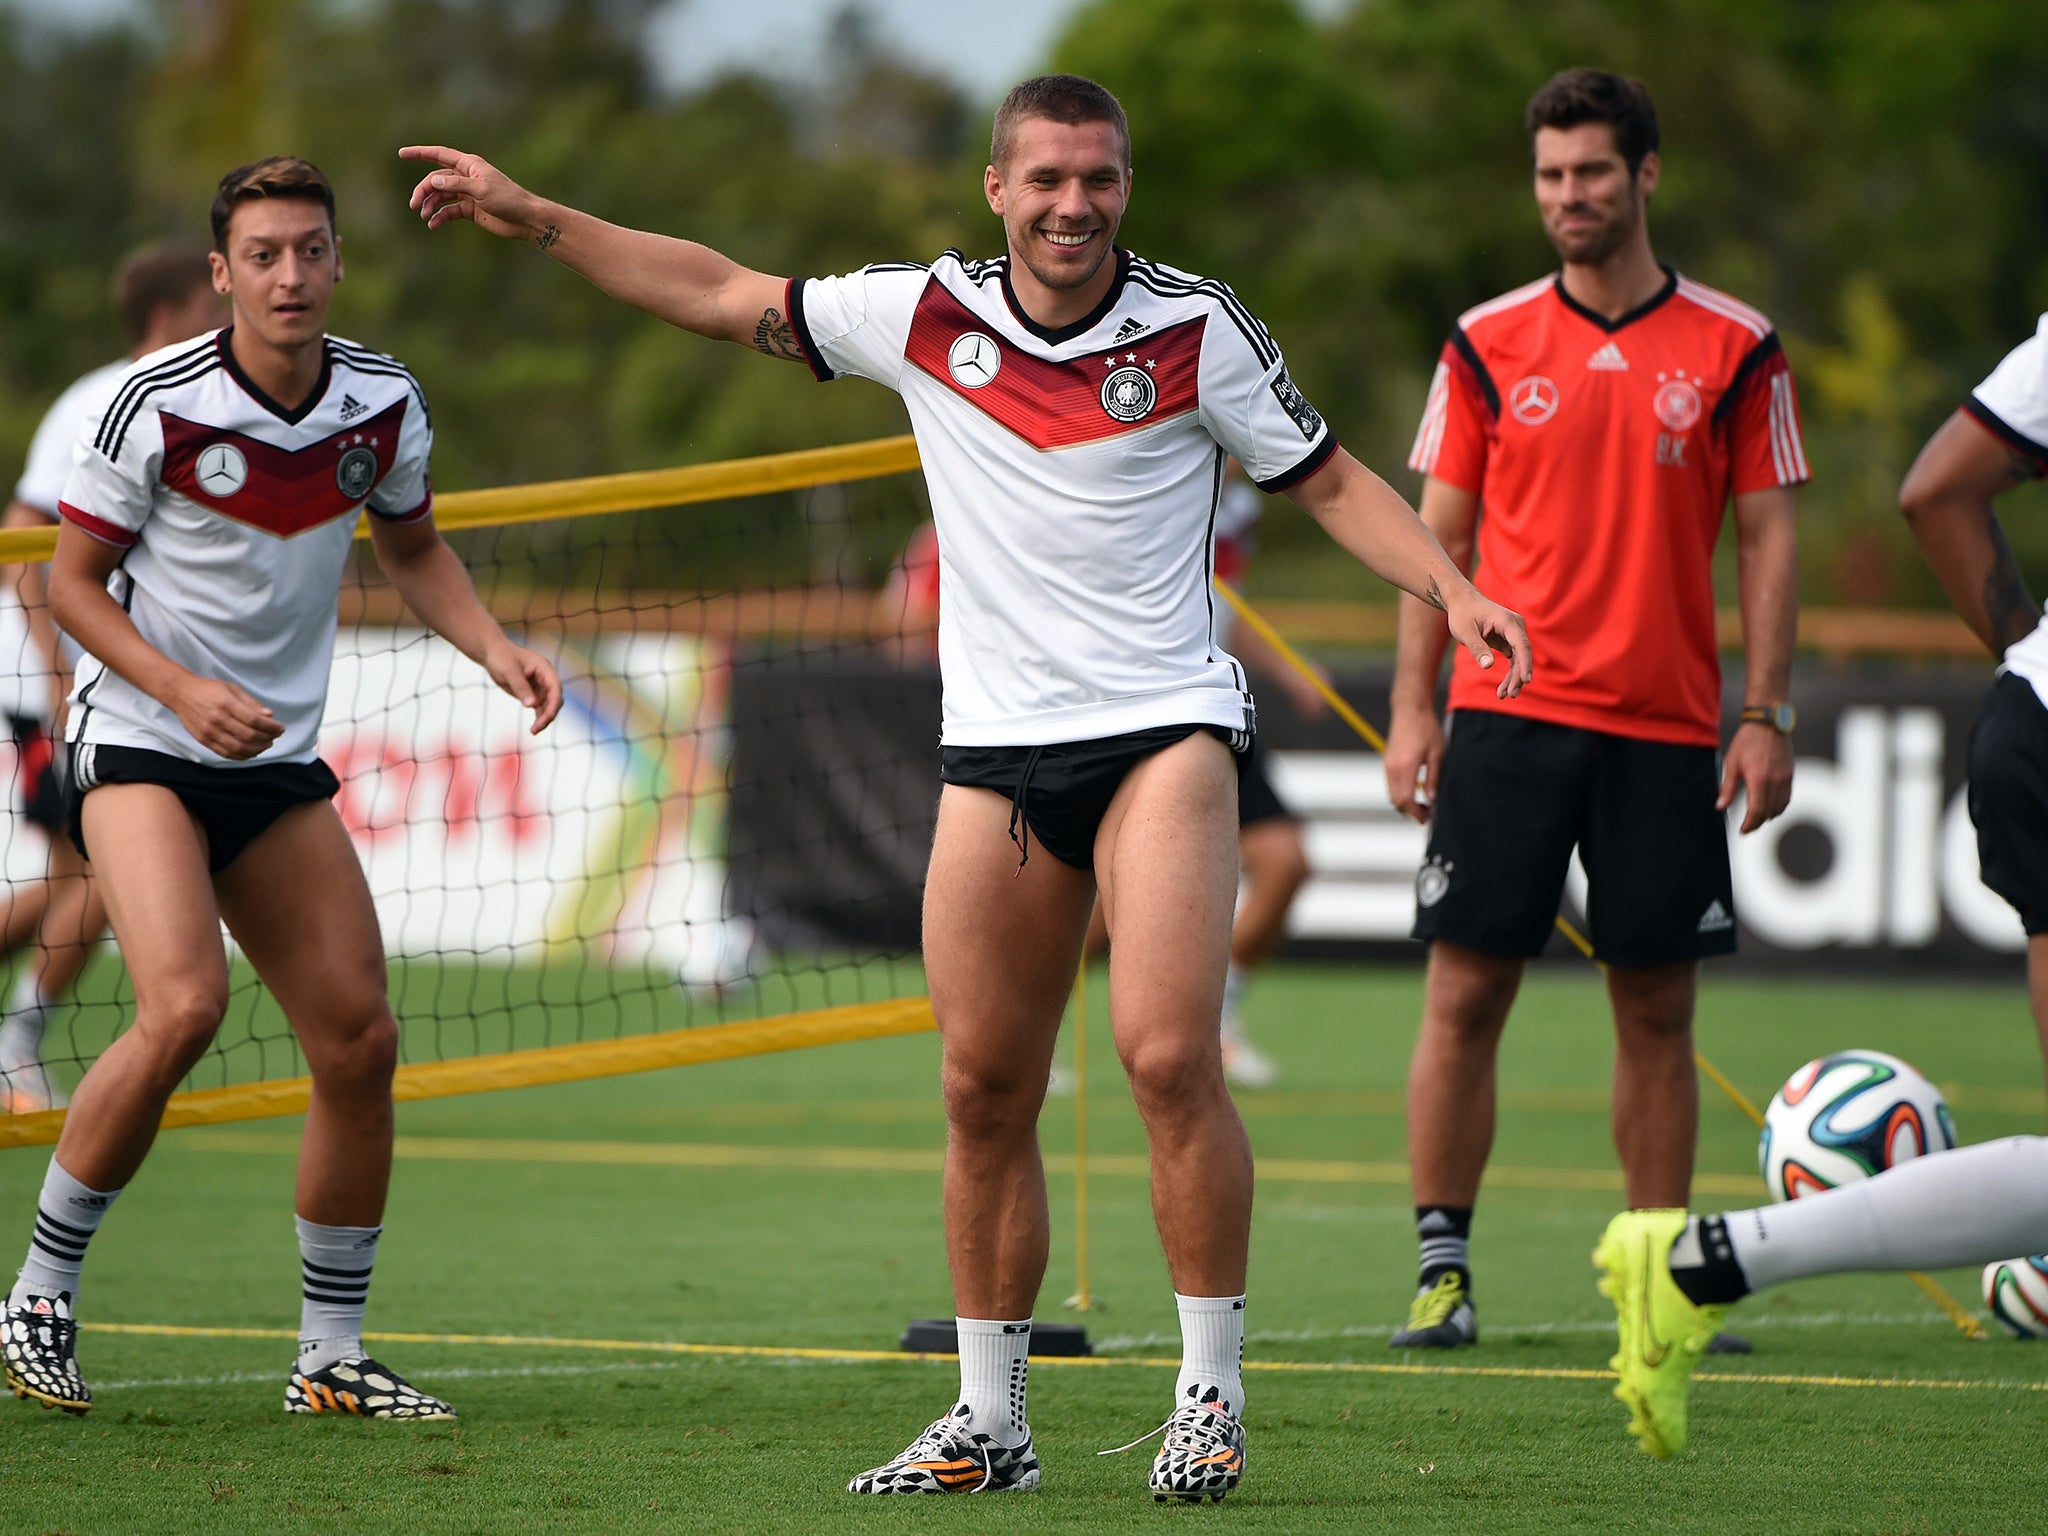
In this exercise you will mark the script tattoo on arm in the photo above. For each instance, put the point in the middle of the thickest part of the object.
(547, 237)
(2008, 607)
(774, 336)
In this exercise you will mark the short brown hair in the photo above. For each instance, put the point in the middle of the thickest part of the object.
(1574, 96)
(278, 176)
(157, 274)
(1069, 99)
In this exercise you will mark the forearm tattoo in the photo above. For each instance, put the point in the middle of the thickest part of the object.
(547, 237)
(774, 336)
(1435, 596)
(2008, 607)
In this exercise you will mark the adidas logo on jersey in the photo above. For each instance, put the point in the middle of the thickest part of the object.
(1129, 329)
(1608, 360)
(351, 407)
(1715, 919)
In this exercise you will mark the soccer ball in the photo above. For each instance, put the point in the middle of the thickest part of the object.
(1845, 1117)
(2016, 1291)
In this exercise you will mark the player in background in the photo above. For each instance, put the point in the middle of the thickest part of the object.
(207, 523)
(1672, 1276)
(1601, 418)
(1270, 848)
(1073, 406)
(164, 295)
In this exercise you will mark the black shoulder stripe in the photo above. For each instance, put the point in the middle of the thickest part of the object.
(1152, 276)
(187, 365)
(1262, 344)
(379, 365)
(1471, 355)
(1759, 354)
(1215, 288)
(897, 266)
(114, 431)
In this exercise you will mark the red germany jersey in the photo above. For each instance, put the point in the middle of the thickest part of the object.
(1603, 453)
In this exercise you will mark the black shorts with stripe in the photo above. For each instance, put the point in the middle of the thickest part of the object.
(1517, 795)
(233, 806)
(2009, 797)
(1060, 792)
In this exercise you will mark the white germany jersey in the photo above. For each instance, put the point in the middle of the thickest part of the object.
(2013, 405)
(1074, 477)
(24, 679)
(237, 516)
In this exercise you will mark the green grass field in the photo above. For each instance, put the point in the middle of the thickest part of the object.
(613, 1280)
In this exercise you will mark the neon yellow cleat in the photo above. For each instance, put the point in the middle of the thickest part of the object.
(1663, 1334)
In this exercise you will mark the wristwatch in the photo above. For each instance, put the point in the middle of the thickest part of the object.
(1779, 717)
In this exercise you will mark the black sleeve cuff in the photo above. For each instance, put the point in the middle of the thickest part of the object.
(793, 297)
(1315, 459)
(2013, 438)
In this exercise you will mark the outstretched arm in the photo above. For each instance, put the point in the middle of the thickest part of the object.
(1370, 519)
(1947, 502)
(435, 585)
(1415, 735)
(686, 284)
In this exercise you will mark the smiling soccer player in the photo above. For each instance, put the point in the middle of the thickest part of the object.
(1074, 405)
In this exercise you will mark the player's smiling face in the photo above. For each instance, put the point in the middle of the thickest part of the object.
(1061, 196)
(1591, 205)
(281, 265)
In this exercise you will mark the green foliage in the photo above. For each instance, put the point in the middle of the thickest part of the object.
(1871, 173)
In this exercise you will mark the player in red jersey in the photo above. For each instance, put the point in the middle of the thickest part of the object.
(1603, 418)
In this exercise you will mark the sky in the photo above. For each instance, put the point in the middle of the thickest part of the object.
(984, 46)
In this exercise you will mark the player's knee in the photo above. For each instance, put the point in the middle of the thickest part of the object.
(177, 1023)
(1170, 1070)
(990, 1099)
(361, 1056)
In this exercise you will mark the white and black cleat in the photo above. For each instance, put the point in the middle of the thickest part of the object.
(950, 1458)
(364, 1388)
(1202, 1454)
(40, 1344)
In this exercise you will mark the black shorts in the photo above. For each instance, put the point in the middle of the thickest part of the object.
(233, 806)
(42, 789)
(1257, 799)
(1515, 797)
(1060, 792)
(2009, 797)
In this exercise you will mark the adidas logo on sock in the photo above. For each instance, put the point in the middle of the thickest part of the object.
(1715, 919)
(1131, 328)
(351, 407)
(1608, 359)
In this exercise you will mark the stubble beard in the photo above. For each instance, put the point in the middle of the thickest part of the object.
(1592, 249)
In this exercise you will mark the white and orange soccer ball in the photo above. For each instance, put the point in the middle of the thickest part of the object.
(2016, 1291)
(1847, 1116)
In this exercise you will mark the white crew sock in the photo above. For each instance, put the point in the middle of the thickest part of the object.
(1211, 1350)
(334, 1270)
(1234, 981)
(21, 1031)
(995, 1359)
(1974, 1205)
(67, 1215)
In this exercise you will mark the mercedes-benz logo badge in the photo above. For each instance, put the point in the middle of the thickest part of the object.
(974, 360)
(221, 470)
(1533, 400)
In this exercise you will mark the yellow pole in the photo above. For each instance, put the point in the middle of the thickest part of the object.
(1083, 1299)
(1970, 1327)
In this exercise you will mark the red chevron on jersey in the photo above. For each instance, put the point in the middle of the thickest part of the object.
(1057, 405)
(280, 491)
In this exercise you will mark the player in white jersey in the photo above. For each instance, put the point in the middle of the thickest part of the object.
(207, 523)
(164, 294)
(1673, 1277)
(1073, 406)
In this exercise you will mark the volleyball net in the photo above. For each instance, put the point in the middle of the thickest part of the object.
(675, 870)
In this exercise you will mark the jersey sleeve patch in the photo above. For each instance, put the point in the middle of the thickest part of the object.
(1304, 416)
